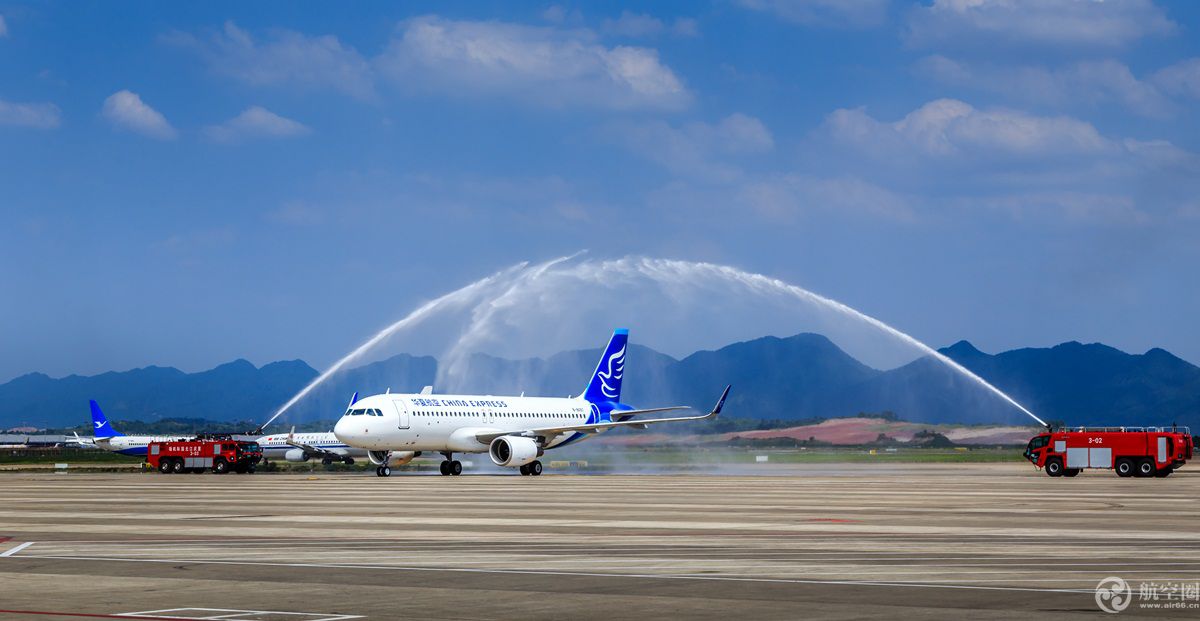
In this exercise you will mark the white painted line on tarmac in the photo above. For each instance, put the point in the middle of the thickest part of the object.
(14, 550)
(232, 613)
(585, 574)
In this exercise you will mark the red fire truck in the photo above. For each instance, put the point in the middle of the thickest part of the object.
(203, 455)
(1130, 451)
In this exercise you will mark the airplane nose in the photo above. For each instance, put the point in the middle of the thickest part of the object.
(344, 430)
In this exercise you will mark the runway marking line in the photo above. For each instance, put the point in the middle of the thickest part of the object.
(585, 574)
(234, 614)
(13, 550)
(86, 614)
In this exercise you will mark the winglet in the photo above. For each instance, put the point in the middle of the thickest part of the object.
(720, 402)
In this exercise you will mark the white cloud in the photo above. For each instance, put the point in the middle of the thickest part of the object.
(547, 66)
(1088, 83)
(830, 13)
(631, 24)
(1070, 23)
(127, 110)
(3, 27)
(696, 149)
(641, 25)
(951, 128)
(955, 156)
(35, 115)
(1182, 78)
(783, 197)
(254, 122)
(285, 58)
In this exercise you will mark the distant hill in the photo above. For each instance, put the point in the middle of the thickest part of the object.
(800, 377)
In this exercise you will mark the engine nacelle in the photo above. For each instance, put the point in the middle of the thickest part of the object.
(296, 455)
(511, 451)
(397, 458)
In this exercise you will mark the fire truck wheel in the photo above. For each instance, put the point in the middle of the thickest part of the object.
(1124, 467)
(177, 467)
(1054, 467)
(1070, 472)
(220, 466)
(1145, 468)
(164, 466)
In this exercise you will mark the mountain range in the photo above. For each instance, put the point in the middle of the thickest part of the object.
(805, 376)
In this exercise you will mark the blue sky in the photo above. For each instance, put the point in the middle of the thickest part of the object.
(184, 184)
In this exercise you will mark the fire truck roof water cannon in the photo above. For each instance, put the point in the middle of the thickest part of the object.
(1129, 451)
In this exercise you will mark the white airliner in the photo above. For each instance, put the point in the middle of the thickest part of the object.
(109, 439)
(300, 447)
(514, 431)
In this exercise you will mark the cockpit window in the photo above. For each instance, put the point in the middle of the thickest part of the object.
(1039, 442)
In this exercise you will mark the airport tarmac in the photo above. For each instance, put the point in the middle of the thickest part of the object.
(826, 541)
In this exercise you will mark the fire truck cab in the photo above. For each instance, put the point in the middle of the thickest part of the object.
(203, 455)
(1130, 451)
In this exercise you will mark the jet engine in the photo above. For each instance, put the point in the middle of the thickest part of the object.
(398, 458)
(512, 451)
(296, 455)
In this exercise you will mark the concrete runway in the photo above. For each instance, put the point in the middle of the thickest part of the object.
(826, 541)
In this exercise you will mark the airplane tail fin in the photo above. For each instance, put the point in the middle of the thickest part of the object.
(605, 384)
(100, 424)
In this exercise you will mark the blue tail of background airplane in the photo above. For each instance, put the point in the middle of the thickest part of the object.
(605, 384)
(102, 428)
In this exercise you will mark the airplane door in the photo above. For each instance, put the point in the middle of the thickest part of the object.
(401, 413)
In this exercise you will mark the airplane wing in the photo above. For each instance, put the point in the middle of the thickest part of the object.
(551, 432)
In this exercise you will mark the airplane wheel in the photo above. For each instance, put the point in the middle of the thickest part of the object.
(525, 470)
(349, 461)
(326, 461)
(444, 467)
(378, 471)
(385, 471)
(455, 467)
(535, 468)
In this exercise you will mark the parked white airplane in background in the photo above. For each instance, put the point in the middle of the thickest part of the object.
(109, 439)
(301, 447)
(514, 431)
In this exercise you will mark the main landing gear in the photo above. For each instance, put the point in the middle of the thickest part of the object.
(383, 471)
(533, 468)
(450, 467)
